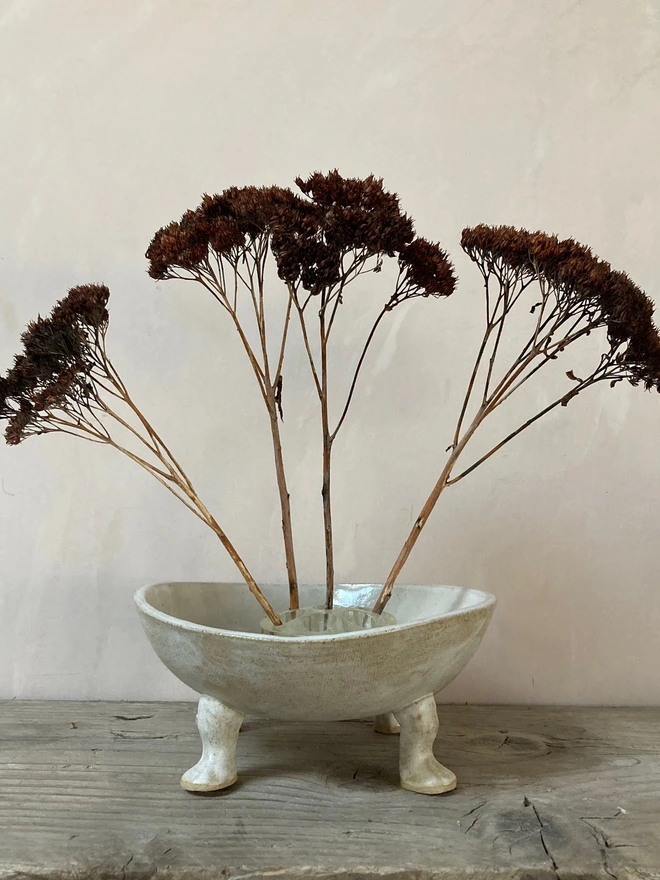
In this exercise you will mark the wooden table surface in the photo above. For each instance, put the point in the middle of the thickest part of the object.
(92, 790)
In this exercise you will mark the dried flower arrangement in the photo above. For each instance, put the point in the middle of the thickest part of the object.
(337, 230)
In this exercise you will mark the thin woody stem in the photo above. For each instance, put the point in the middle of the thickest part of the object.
(508, 297)
(425, 512)
(103, 407)
(509, 437)
(273, 616)
(186, 487)
(287, 321)
(363, 355)
(512, 380)
(493, 355)
(491, 322)
(163, 479)
(597, 376)
(117, 381)
(271, 391)
(327, 458)
(507, 389)
(76, 429)
(542, 347)
(328, 437)
(333, 312)
(303, 327)
(268, 385)
(285, 502)
(471, 383)
(321, 384)
(254, 363)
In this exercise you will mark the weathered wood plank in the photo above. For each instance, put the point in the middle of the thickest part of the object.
(92, 789)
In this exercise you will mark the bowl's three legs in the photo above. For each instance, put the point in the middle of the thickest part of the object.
(386, 723)
(417, 723)
(418, 769)
(218, 727)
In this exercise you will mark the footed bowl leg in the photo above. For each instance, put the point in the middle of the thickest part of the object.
(386, 723)
(418, 769)
(218, 727)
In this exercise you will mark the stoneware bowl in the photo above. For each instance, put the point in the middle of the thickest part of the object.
(208, 635)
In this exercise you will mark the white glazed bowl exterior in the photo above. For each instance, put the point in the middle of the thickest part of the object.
(207, 634)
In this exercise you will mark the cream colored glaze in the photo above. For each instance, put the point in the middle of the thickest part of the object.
(218, 727)
(418, 769)
(207, 635)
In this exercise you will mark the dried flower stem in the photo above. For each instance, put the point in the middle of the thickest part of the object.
(356, 374)
(173, 476)
(424, 514)
(551, 322)
(252, 279)
(320, 377)
(273, 385)
(65, 382)
(330, 297)
(339, 229)
(327, 460)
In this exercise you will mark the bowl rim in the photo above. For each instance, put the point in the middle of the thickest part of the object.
(488, 600)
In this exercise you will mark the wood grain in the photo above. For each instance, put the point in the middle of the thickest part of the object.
(92, 790)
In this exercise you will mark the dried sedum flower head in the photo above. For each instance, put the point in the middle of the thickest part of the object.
(180, 245)
(581, 281)
(225, 224)
(53, 372)
(316, 238)
(358, 214)
(425, 270)
(341, 217)
(565, 264)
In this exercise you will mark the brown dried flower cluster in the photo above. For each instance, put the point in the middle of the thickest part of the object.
(321, 239)
(317, 240)
(424, 270)
(342, 216)
(62, 383)
(53, 371)
(224, 223)
(581, 281)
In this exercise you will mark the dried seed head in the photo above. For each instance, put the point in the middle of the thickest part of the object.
(224, 223)
(254, 209)
(358, 214)
(341, 216)
(180, 245)
(85, 304)
(579, 280)
(53, 370)
(308, 236)
(426, 269)
(566, 264)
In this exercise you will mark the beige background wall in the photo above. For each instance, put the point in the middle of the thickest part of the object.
(116, 116)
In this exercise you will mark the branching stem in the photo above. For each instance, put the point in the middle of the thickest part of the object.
(540, 345)
(252, 279)
(172, 477)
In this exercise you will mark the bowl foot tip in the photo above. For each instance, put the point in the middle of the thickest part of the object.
(430, 788)
(215, 785)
